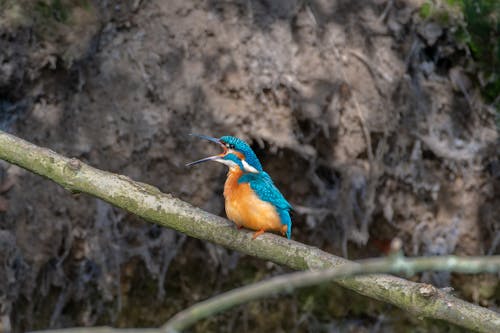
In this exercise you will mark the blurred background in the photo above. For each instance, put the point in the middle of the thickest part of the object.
(376, 119)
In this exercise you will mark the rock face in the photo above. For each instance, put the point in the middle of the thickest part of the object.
(358, 110)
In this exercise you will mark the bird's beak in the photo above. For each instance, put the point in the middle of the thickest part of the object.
(209, 138)
(210, 158)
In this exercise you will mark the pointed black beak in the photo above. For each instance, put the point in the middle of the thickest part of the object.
(210, 158)
(209, 138)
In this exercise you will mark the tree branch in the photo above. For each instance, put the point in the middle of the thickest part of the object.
(288, 282)
(149, 203)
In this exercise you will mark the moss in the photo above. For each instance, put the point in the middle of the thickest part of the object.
(13, 15)
(477, 25)
(52, 10)
(126, 202)
(442, 13)
(58, 10)
(483, 25)
(426, 10)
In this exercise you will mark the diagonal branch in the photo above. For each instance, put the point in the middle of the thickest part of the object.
(149, 203)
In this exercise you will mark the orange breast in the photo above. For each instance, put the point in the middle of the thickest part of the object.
(246, 209)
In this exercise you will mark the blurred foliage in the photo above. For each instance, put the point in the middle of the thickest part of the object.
(57, 11)
(28, 12)
(476, 23)
(65, 26)
(53, 9)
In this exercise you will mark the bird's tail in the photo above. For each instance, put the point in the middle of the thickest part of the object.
(286, 220)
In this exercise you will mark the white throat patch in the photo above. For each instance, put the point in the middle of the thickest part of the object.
(229, 163)
(248, 167)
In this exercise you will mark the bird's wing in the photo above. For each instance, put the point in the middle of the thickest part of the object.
(264, 187)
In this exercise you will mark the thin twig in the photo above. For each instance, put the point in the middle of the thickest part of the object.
(289, 282)
(374, 70)
(386, 11)
(102, 329)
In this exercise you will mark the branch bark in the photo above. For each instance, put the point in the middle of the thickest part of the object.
(149, 203)
(288, 282)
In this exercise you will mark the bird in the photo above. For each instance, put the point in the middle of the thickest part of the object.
(252, 201)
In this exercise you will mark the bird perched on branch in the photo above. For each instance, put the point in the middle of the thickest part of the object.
(251, 198)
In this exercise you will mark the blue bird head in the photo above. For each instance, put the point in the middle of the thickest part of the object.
(240, 146)
(234, 148)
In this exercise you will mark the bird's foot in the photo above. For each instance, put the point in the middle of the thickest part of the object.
(258, 233)
(284, 228)
(239, 226)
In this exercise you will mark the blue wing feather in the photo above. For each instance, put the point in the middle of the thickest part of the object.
(264, 187)
(286, 220)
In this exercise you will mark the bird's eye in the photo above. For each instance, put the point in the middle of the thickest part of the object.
(231, 146)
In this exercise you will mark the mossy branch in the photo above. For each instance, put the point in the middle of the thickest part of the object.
(289, 282)
(149, 203)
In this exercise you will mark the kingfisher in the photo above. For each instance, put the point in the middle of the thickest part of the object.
(252, 200)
